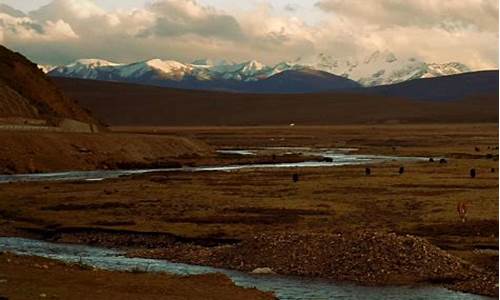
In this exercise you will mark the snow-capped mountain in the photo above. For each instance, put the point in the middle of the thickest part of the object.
(85, 68)
(384, 67)
(378, 68)
(157, 69)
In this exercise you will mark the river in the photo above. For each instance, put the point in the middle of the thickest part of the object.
(285, 288)
(336, 157)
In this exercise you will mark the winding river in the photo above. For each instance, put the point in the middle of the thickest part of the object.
(335, 157)
(285, 288)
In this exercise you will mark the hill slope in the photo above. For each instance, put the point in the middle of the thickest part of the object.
(140, 105)
(446, 88)
(302, 81)
(26, 92)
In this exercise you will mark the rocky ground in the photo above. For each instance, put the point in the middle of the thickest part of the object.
(366, 257)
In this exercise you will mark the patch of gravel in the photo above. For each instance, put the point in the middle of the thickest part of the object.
(366, 257)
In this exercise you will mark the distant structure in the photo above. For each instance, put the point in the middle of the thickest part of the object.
(462, 211)
(472, 173)
(295, 177)
(368, 171)
(401, 170)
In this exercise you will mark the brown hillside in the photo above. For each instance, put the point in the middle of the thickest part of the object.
(138, 105)
(26, 92)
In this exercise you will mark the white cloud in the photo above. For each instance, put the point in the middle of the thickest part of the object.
(449, 14)
(437, 31)
(451, 30)
(24, 28)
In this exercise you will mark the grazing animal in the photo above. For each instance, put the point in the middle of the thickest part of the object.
(328, 159)
(401, 170)
(443, 161)
(295, 177)
(477, 149)
(462, 211)
(431, 159)
(472, 173)
(493, 170)
(368, 171)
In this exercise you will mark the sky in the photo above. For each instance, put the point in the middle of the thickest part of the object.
(60, 31)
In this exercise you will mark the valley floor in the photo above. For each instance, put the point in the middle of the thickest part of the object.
(198, 214)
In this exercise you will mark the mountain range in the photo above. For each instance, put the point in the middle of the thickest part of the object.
(324, 73)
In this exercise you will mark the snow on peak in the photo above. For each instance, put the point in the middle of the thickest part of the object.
(451, 68)
(165, 66)
(46, 68)
(94, 63)
(377, 68)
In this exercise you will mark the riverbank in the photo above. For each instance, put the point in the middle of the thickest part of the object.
(29, 152)
(23, 277)
(174, 217)
(33, 153)
(195, 212)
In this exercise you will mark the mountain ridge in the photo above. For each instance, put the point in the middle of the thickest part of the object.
(379, 68)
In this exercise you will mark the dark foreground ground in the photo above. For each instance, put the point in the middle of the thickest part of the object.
(338, 223)
(37, 278)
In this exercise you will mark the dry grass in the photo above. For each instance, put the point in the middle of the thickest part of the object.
(422, 201)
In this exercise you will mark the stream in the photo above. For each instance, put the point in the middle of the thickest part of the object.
(285, 288)
(336, 157)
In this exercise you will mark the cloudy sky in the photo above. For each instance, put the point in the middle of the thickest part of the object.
(60, 31)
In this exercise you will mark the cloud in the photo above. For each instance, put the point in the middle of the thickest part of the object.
(5, 9)
(449, 15)
(459, 30)
(436, 31)
(25, 29)
(181, 17)
(291, 7)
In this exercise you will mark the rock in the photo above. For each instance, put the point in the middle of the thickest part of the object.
(264, 270)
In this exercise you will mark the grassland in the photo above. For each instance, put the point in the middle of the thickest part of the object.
(153, 211)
